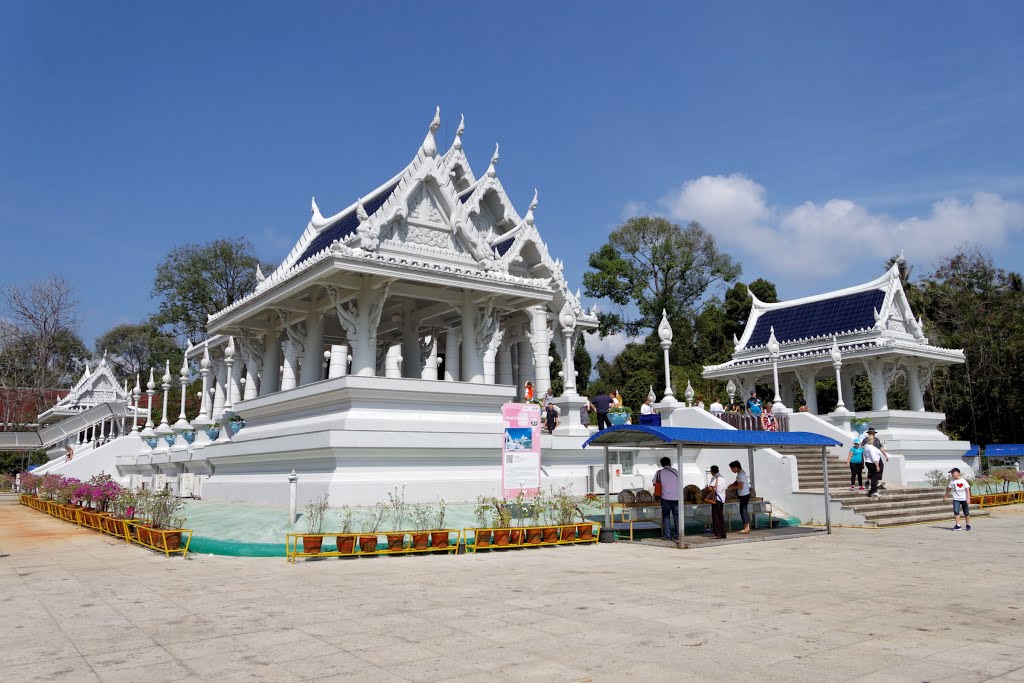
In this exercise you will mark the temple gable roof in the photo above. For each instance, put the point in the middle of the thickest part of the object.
(92, 388)
(820, 318)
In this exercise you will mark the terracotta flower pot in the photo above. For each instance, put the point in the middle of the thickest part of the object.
(569, 533)
(551, 535)
(516, 537)
(533, 536)
(421, 540)
(368, 544)
(586, 532)
(439, 539)
(501, 536)
(166, 541)
(346, 544)
(312, 544)
(396, 541)
(482, 539)
(142, 533)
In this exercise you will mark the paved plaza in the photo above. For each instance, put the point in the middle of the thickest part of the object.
(919, 603)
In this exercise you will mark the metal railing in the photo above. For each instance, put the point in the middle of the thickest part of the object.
(755, 423)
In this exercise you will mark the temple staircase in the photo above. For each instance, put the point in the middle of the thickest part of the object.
(896, 506)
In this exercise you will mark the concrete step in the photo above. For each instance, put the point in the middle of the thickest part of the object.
(945, 516)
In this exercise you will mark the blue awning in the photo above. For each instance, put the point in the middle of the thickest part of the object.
(645, 435)
(975, 450)
(1004, 450)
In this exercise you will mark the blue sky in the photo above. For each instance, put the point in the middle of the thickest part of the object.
(814, 138)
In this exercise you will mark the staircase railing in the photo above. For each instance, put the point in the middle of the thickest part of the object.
(55, 433)
(755, 423)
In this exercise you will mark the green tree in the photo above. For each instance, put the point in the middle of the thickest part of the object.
(650, 264)
(197, 280)
(134, 349)
(583, 364)
(557, 383)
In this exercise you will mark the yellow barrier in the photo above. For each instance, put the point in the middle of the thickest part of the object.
(161, 540)
(292, 544)
(990, 499)
(519, 537)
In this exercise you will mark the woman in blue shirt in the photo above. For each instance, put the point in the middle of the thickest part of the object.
(856, 460)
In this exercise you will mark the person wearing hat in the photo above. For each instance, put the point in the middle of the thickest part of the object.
(961, 490)
(855, 458)
(873, 439)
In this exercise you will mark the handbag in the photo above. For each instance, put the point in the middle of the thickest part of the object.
(657, 488)
(710, 496)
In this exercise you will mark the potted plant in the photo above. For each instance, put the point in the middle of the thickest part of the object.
(189, 435)
(315, 511)
(212, 431)
(439, 537)
(368, 537)
(422, 518)
(501, 521)
(397, 509)
(482, 538)
(534, 512)
(860, 425)
(619, 415)
(236, 423)
(346, 544)
(563, 511)
(164, 528)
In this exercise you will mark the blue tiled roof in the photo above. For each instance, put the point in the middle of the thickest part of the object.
(710, 438)
(818, 318)
(1004, 450)
(346, 225)
(465, 196)
(503, 247)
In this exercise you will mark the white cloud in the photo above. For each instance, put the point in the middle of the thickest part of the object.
(609, 347)
(816, 240)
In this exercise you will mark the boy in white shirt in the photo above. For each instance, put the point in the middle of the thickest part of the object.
(961, 490)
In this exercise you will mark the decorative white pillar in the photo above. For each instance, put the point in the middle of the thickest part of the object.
(688, 394)
(526, 367)
(428, 356)
(270, 377)
(235, 375)
(846, 377)
(360, 319)
(915, 393)
(136, 393)
(837, 365)
(339, 361)
(202, 421)
(730, 389)
(147, 431)
(229, 404)
(504, 362)
(412, 366)
(880, 380)
(665, 340)
(164, 429)
(219, 387)
(773, 351)
(393, 360)
(313, 354)
(292, 481)
(452, 364)
(567, 323)
(472, 349)
(807, 377)
(291, 366)
(490, 355)
(541, 339)
(182, 425)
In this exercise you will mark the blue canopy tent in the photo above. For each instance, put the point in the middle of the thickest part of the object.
(646, 436)
(1003, 450)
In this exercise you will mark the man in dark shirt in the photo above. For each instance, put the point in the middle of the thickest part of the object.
(602, 403)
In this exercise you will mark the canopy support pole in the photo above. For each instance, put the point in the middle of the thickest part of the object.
(828, 498)
(607, 495)
(682, 499)
(750, 459)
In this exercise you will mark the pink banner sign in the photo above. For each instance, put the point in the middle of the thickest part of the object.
(520, 453)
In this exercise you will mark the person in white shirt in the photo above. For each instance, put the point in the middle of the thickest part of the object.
(646, 408)
(718, 507)
(872, 458)
(667, 479)
(961, 490)
(742, 486)
(717, 407)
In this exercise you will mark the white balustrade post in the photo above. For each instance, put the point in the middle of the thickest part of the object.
(292, 497)
(773, 352)
(837, 364)
(136, 393)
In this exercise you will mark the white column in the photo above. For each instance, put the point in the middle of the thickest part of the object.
(526, 367)
(472, 355)
(541, 349)
(270, 378)
(235, 380)
(452, 359)
(289, 377)
(313, 355)
(809, 386)
(879, 387)
(430, 363)
(252, 382)
(846, 376)
(504, 372)
(411, 365)
(915, 390)
(219, 388)
(339, 361)
(393, 360)
(364, 320)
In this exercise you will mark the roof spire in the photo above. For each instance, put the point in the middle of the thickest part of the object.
(533, 205)
(361, 211)
(315, 211)
(260, 277)
(494, 161)
(429, 147)
(457, 144)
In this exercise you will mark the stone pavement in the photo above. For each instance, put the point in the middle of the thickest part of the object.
(919, 603)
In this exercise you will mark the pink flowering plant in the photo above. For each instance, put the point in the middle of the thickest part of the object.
(29, 482)
(49, 484)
